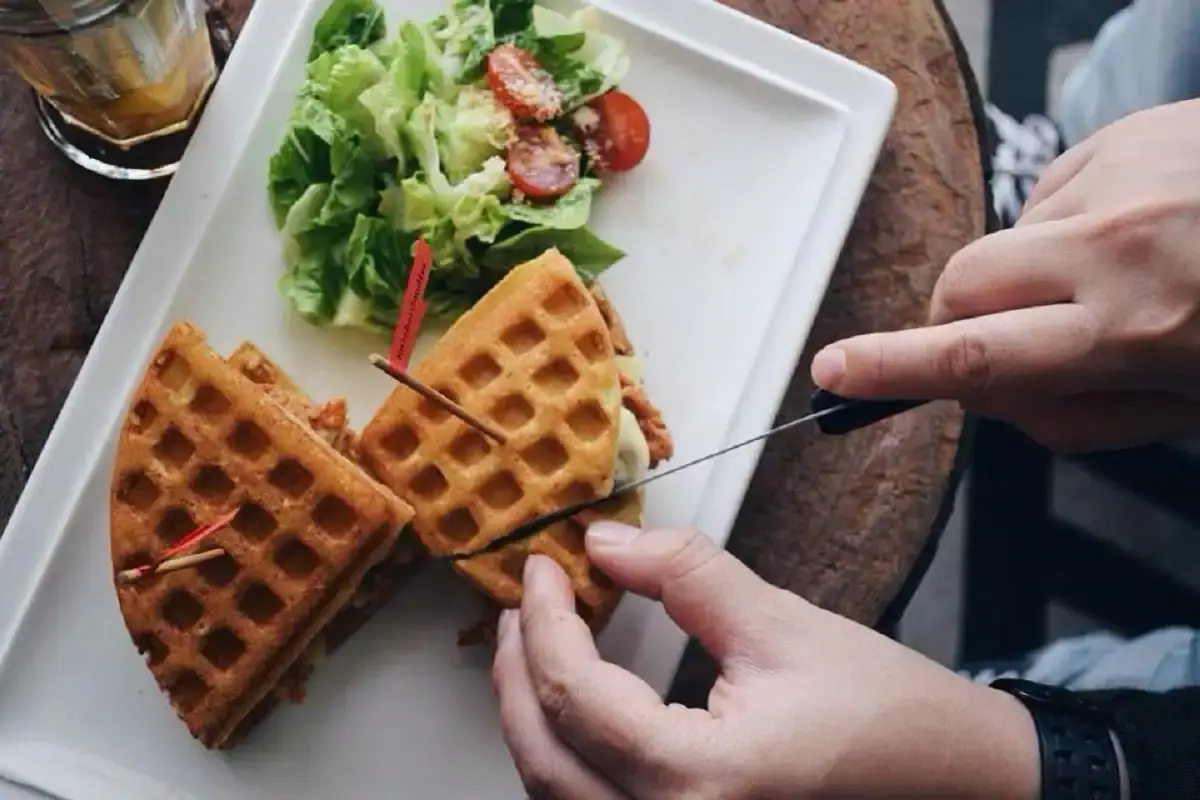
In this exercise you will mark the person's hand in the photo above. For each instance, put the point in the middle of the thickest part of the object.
(1081, 325)
(808, 705)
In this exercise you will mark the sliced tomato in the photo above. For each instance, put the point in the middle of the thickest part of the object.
(541, 163)
(520, 83)
(615, 130)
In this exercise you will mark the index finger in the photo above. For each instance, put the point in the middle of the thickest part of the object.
(1049, 349)
(612, 718)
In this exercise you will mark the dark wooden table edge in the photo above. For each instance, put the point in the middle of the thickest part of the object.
(894, 611)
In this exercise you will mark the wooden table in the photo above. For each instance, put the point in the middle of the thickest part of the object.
(845, 522)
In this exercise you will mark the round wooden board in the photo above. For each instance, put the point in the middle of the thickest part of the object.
(841, 521)
(845, 522)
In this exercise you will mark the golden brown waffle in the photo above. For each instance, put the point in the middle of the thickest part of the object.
(377, 586)
(201, 440)
(535, 358)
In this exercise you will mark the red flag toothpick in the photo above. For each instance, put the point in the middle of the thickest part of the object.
(170, 560)
(412, 309)
(202, 532)
(408, 325)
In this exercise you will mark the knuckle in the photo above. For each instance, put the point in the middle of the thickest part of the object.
(538, 780)
(1148, 327)
(1132, 236)
(556, 695)
(967, 363)
(694, 553)
(951, 289)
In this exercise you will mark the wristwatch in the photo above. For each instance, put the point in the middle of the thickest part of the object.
(1081, 756)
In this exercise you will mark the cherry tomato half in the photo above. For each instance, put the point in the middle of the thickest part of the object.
(520, 83)
(541, 163)
(615, 131)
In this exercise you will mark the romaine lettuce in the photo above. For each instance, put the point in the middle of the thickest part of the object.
(337, 79)
(359, 22)
(570, 213)
(465, 34)
(584, 61)
(477, 127)
(590, 254)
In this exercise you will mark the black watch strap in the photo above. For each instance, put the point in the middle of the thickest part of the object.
(1079, 757)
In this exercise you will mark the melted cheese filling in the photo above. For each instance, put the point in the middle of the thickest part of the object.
(632, 459)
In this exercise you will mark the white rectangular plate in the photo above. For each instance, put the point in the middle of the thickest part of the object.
(762, 148)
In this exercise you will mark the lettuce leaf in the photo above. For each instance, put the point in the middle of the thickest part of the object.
(590, 254)
(511, 17)
(338, 79)
(378, 258)
(331, 137)
(305, 156)
(451, 217)
(301, 162)
(314, 277)
(311, 286)
(474, 129)
(569, 213)
(425, 51)
(465, 34)
(358, 22)
(584, 61)
(555, 33)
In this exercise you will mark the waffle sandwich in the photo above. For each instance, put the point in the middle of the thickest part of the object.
(545, 360)
(312, 548)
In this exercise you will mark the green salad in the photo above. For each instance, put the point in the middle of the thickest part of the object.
(486, 132)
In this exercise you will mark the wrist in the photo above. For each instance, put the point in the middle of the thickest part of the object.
(955, 741)
(1012, 770)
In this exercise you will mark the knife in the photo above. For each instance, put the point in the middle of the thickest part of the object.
(833, 415)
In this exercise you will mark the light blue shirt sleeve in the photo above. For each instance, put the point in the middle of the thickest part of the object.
(1146, 55)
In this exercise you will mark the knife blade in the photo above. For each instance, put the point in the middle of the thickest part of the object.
(833, 415)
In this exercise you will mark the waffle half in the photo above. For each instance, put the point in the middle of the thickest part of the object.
(534, 357)
(202, 439)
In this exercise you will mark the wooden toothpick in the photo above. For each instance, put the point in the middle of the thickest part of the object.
(437, 398)
(171, 565)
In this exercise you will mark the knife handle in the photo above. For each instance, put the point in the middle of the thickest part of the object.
(853, 415)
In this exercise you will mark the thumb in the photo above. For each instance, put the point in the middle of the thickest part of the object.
(710, 594)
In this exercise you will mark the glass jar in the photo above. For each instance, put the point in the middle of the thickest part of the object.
(125, 71)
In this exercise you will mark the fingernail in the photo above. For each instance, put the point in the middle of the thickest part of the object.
(828, 367)
(607, 533)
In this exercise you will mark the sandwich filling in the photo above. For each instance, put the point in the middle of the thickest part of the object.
(329, 421)
(643, 440)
